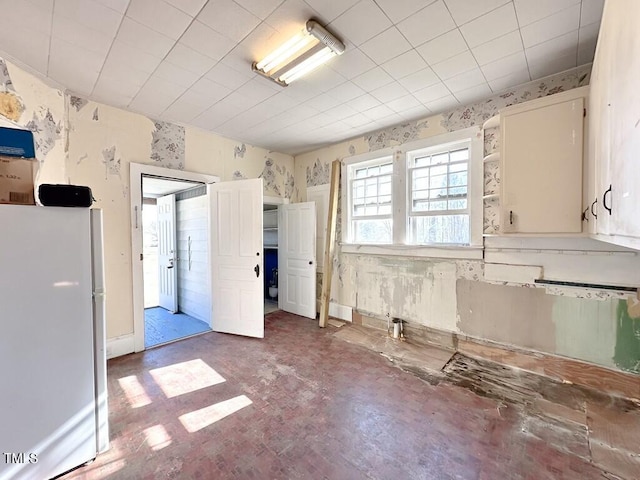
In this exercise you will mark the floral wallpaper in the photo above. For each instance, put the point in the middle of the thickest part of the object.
(396, 135)
(112, 166)
(167, 145)
(239, 151)
(77, 102)
(318, 174)
(46, 131)
(273, 175)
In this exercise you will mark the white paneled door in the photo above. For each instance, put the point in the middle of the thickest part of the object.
(167, 269)
(237, 279)
(297, 258)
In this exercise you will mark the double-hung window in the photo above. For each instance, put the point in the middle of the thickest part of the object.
(438, 187)
(371, 201)
(426, 193)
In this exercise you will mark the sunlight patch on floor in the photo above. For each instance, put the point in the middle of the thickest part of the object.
(198, 419)
(185, 377)
(135, 392)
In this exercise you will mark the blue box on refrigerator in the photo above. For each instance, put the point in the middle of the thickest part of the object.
(16, 143)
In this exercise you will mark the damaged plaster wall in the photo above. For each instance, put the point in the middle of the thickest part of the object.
(453, 294)
(29, 103)
(88, 143)
(104, 140)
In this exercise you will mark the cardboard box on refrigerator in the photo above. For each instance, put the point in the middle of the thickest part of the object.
(17, 166)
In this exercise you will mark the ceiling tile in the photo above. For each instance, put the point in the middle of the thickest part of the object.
(206, 41)
(591, 11)
(502, 67)
(182, 111)
(31, 50)
(178, 75)
(39, 18)
(290, 18)
(415, 113)
(89, 13)
(426, 24)
(500, 47)
(360, 23)
(80, 35)
(126, 73)
(323, 102)
(389, 92)
(363, 102)
(261, 9)
(553, 56)
(208, 91)
(443, 104)
(419, 80)
(491, 25)
(545, 67)
(473, 94)
(156, 95)
(131, 57)
(188, 59)
(387, 45)
(510, 80)
(403, 104)
(398, 10)
(550, 27)
(357, 120)
(300, 91)
(405, 64)
(445, 46)
(119, 6)
(373, 79)
(347, 91)
(228, 18)
(144, 38)
(464, 11)
(63, 59)
(587, 39)
(159, 16)
(379, 112)
(432, 93)
(466, 80)
(214, 116)
(228, 76)
(352, 63)
(256, 91)
(463, 62)
(558, 47)
(114, 90)
(341, 111)
(322, 79)
(529, 12)
(190, 7)
(330, 9)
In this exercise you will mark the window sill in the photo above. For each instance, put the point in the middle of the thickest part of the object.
(455, 252)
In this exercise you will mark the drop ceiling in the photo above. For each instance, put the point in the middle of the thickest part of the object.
(189, 61)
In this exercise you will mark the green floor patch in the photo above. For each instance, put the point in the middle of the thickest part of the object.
(627, 352)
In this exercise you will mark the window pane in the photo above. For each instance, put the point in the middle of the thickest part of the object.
(438, 181)
(438, 193)
(384, 210)
(442, 205)
(458, 204)
(372, 231)
(420, 183)
(452, 229)
(420, 194)
(361, 173)
(420, 172)
(373, 171)
(458, 167)
(459, 178)
(387, 168)
(458, 155)
(439, 170)
(440, 158)
(385, 188)
(458, 191)
(422, 161)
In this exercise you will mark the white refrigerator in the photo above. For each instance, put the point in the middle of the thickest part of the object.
(53, 392)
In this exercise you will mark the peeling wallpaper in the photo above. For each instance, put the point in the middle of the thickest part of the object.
(452, 294)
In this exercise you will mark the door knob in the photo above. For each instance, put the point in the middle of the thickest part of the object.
(170, 263)
(257, 270)
(310, 262)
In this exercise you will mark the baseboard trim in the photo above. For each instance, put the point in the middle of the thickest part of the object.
(562, 369)
(118, 346)
(341, 312)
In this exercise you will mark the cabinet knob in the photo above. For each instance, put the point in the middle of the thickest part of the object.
(595, 215)
(510, 217)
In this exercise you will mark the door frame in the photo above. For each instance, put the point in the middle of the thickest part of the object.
(136, 172)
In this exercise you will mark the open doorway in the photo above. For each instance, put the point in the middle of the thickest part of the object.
(175, 259)
(270, 241)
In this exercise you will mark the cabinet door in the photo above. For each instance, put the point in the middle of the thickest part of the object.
(542, 168)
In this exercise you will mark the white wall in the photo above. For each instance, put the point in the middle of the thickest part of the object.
(193, 256)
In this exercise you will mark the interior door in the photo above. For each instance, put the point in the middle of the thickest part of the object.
(167, 271)
(297, 258)
(237, 285)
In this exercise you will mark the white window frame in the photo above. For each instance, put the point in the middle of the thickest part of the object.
(400, 198)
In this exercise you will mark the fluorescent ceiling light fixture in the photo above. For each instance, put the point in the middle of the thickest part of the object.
(303, 53)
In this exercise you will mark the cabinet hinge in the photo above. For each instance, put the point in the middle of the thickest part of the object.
(584, 112)
(141, 256)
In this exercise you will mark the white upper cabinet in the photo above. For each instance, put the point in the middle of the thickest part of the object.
(615, 125)
(541, 164)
